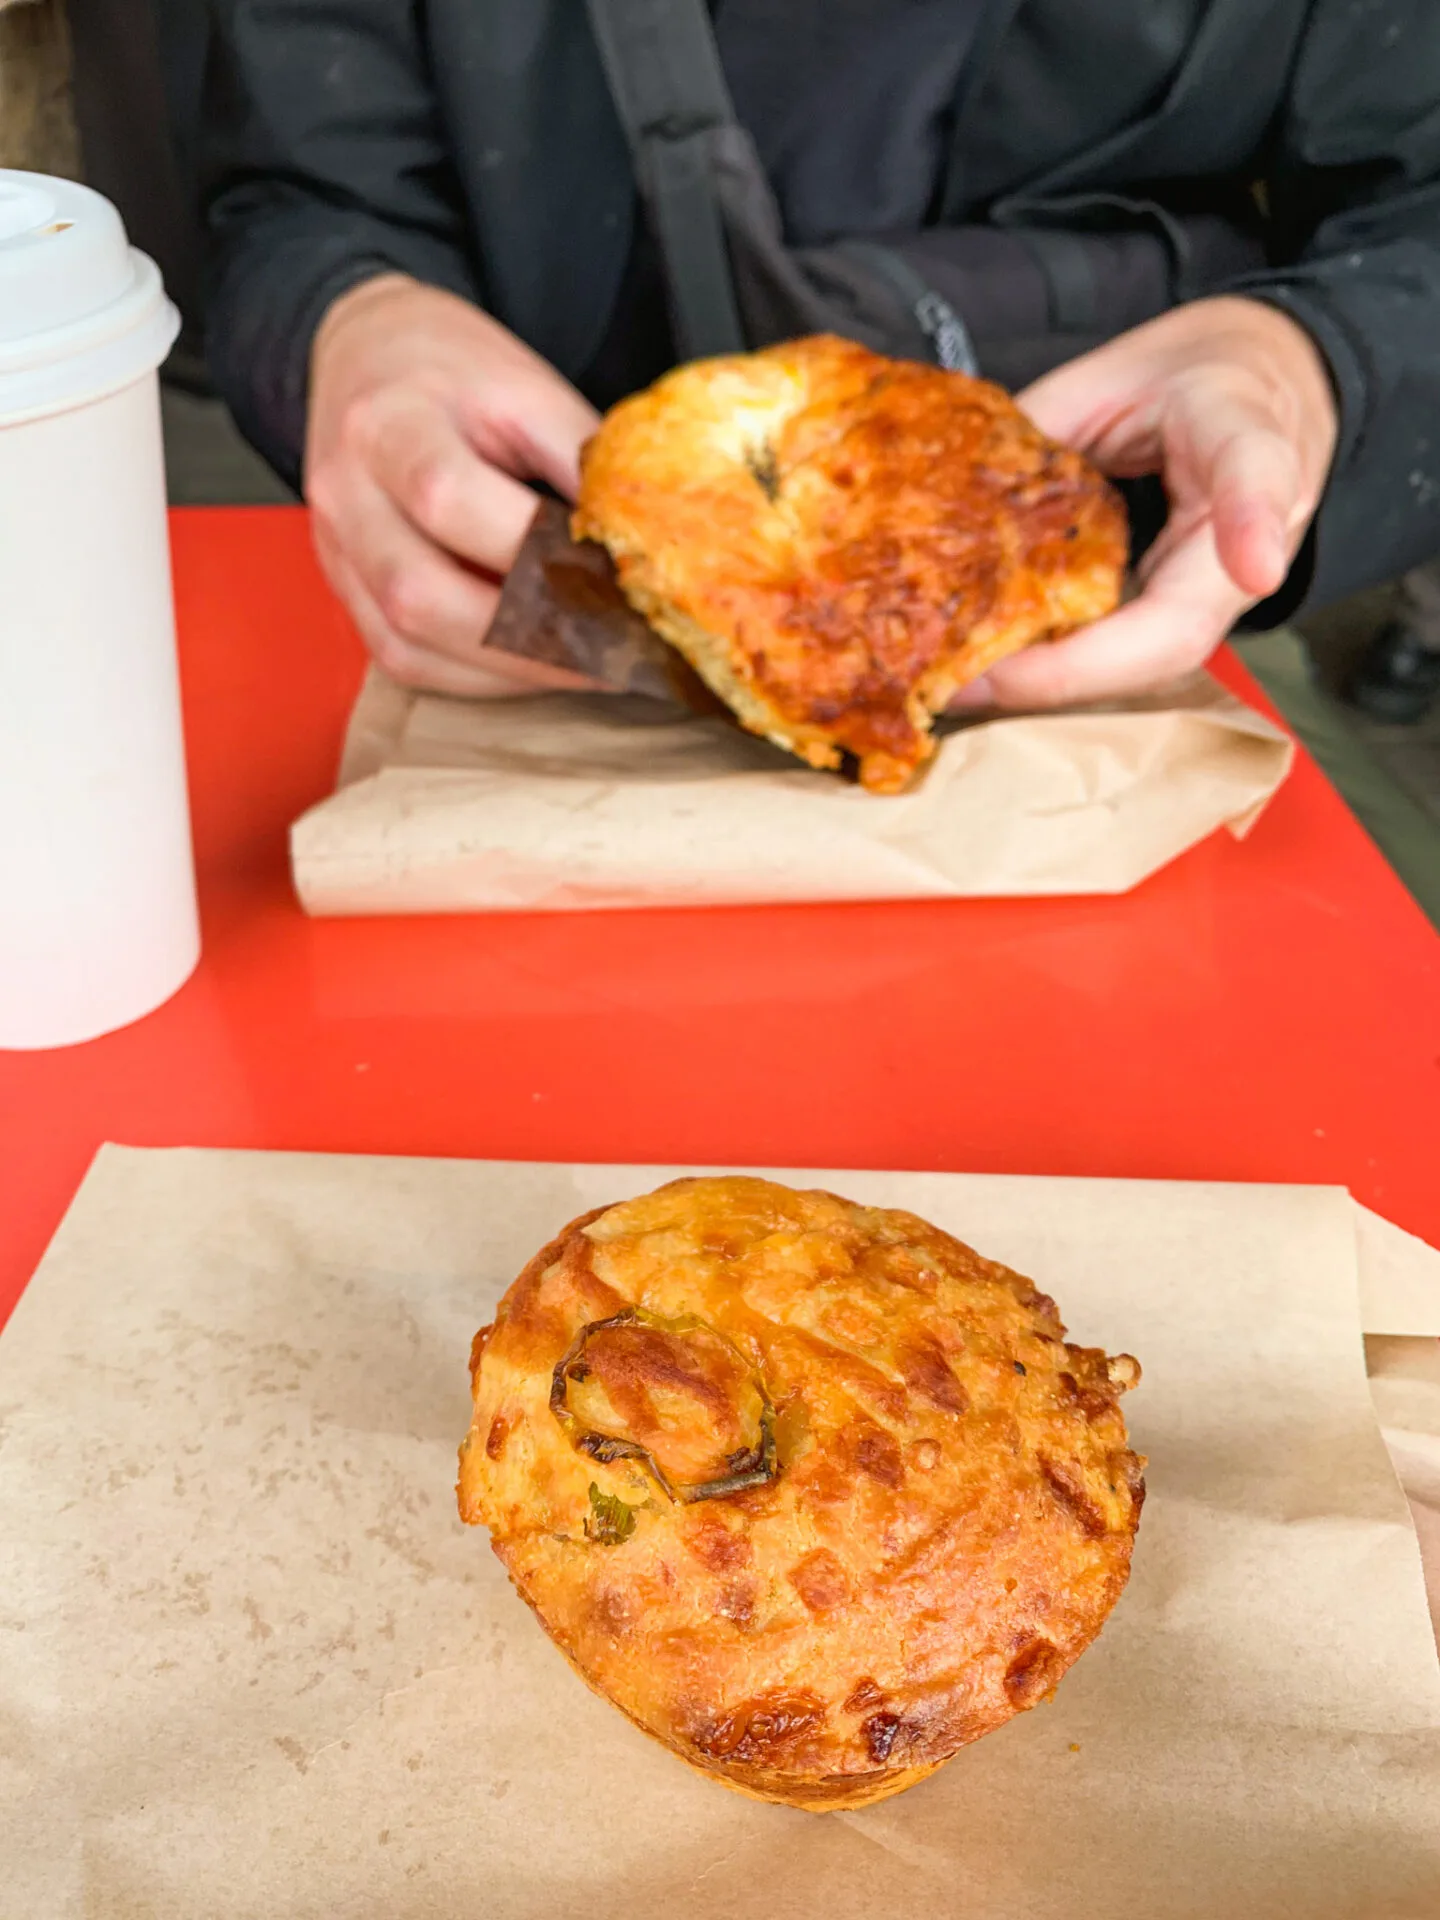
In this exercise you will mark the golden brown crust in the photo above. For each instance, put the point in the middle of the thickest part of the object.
(936, 1501)
(837, 541)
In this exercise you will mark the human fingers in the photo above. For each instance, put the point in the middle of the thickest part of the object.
(393, 339)
(416, 455)
(405, 662)
(1103, 399)
(1187, 606)
(425, 595)
(412, 662)
(530, 420)
(1228, 455)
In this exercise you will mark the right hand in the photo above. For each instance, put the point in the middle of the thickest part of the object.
(1230, 402)
(425, 418)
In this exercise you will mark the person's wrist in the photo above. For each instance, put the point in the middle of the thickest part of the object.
(379, 289)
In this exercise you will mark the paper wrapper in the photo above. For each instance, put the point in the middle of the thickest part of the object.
(252, 1665)
(596, 800)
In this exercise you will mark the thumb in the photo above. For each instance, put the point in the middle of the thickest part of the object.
(1082, 401)
(1254, 486)
(554, 434)
(525, 418)
(549, 424)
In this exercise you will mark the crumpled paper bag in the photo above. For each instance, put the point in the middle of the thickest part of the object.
(599, 800)
(253, 1668)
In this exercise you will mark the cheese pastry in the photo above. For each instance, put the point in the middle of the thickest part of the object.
(836, 541)
(812, 1492)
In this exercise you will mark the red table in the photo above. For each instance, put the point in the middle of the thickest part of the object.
(1261, 1011)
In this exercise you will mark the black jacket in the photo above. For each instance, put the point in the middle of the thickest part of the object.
(473, 144)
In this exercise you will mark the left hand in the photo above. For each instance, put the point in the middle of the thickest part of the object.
(1230, 402)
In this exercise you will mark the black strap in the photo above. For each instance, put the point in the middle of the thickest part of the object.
(664, 74)
(942, 326)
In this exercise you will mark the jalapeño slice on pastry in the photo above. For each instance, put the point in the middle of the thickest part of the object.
(617, 1369)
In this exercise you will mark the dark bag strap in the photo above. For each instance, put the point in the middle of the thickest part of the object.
(949, 338)
(665, 77)
(664, 73)
(701, 181)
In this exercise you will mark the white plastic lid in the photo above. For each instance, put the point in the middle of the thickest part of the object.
(81, 312)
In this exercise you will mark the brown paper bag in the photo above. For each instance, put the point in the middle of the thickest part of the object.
(252, 1666)
(1399, 1279)
(595, 800)
(1405, 1385)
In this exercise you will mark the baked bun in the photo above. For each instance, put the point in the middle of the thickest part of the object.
(810, 1491)
(836, 541)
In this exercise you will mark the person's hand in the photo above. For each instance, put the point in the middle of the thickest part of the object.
(425, 418)
(1230, 402)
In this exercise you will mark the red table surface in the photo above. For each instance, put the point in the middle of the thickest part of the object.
(1265, 1010)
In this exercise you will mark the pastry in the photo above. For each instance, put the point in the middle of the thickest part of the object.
(837, 542)
(812, 1492)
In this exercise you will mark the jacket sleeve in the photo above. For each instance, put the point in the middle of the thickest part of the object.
(1354, 191)
(323, 163)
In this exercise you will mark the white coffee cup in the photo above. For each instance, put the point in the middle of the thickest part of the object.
(97, 891)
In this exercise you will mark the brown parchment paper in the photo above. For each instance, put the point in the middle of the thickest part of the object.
(1405, 1386)
(251, 1664)
(594, 800)
(1399, 1279)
